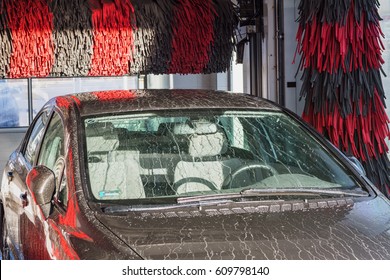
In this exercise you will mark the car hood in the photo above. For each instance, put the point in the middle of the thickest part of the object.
(321, 229)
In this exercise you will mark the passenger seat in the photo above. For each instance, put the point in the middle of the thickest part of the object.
(112, 174)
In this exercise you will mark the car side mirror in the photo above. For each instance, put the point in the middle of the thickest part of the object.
(358, 166)
(41, 183)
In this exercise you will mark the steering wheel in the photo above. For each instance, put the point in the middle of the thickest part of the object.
(228, 181)
(202, 181)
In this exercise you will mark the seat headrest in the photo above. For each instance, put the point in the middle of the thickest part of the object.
(104, 129)
(207, 145)
(206, 139)
(101, 144)
(101, 137)
(183, 129)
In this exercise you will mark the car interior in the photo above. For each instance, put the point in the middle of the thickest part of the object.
(179, 158)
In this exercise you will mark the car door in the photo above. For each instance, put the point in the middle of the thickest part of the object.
(52, 155)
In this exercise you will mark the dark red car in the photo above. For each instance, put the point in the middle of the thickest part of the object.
(184, 174)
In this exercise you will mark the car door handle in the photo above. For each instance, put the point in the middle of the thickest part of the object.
(23, 198)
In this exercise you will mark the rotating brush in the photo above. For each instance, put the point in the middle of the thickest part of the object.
(341, 58)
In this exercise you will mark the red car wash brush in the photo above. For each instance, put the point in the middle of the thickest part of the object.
(112, 37)
(193, 36)
(31, 25)
(341, 58)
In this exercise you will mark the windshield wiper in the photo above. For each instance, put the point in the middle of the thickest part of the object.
(150, 207)
(301, 192)
(271, 193)
(226, 198)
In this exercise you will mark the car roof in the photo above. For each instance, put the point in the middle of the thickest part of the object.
(117, 101)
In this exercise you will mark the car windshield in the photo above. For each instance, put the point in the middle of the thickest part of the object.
(205, 152)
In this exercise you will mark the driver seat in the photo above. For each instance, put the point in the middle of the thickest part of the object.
(205, 168)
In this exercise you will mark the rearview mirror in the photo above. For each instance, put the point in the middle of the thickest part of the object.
(41, 183)
(358, 166)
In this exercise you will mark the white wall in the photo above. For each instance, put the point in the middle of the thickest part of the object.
(193, 81)
(9, 141)
(290, 45)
